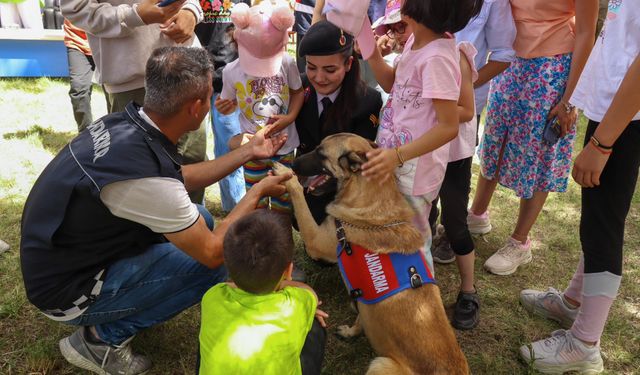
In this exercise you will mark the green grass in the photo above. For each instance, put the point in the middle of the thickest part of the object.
(36, 121)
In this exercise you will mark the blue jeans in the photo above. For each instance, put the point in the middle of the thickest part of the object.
(148, 289)
(224, 127)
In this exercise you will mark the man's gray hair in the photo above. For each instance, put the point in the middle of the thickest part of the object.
(174, 76)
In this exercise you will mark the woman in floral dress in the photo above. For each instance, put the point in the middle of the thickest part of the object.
(554, 39)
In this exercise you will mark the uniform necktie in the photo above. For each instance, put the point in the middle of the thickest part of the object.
(326, 104)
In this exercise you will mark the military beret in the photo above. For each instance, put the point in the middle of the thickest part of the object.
(323, 39)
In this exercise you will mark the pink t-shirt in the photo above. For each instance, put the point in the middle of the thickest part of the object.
(431, 72)
(464, 145)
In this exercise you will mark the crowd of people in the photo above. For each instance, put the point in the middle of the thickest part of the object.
(110, 257)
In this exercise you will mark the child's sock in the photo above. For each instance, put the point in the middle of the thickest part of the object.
(574, 290)
(599, 291)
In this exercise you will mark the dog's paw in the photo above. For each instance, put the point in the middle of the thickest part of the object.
(293, 183)
(280, 169)
(347, 332)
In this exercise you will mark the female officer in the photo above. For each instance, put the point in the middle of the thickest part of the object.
(336, 100)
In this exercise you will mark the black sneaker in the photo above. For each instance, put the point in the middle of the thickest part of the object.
(466, 313)
(102, 358)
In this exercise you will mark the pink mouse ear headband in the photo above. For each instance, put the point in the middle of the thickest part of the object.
(351, 16)
(261, 33)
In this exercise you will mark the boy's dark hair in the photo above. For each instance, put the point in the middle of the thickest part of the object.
(257, 249)
(442, 15)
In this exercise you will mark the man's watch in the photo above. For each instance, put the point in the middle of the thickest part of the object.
(568, 107)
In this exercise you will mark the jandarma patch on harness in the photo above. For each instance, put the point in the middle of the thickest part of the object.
(372, 277)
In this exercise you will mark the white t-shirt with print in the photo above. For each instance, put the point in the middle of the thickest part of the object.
(261, 98)
(615, 50)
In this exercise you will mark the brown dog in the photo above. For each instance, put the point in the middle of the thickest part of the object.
(409, 330)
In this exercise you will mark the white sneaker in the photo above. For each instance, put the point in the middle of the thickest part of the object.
(508, 258)
(561, 353)
(549, 305)
(478, 224)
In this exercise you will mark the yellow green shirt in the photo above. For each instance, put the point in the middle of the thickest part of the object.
(244, 333)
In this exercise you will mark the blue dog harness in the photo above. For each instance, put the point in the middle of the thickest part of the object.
(372, 277)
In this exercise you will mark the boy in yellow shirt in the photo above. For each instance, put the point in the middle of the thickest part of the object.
(260, 322)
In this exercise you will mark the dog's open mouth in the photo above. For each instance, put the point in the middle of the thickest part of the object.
(321, 184)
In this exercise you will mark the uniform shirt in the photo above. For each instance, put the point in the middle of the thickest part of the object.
(130, 199)
(492, 32)
(615, 50)
(331, 97)
(244, 333)
(261, 98)
(431, 72)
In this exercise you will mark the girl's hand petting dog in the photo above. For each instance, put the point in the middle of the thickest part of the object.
(381, 165)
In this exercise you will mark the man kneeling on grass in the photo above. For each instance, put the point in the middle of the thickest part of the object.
(110, 240)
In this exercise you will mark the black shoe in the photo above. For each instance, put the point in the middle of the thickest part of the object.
(298, 274)
(466, 313)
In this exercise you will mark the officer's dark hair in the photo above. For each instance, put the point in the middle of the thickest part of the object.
(257, 249)
(353, 87)
(442, 15)
(174, 76)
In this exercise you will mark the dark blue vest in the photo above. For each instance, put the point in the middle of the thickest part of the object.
(68, 234)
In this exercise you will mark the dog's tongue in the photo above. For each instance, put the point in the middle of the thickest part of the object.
(317, 181)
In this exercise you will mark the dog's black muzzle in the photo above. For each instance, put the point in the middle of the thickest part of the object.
(309, 164)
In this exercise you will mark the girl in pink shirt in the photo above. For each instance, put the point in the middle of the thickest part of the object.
(421, 115)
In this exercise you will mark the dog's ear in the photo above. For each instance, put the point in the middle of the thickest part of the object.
(373, 144)
(352, 161)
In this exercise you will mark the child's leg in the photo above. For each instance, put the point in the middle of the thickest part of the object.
(313, 350)
(282, 203)
(454, 196)
(254, 172)
(421, 205)
(604, 211)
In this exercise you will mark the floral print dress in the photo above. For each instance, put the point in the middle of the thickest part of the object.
(519, 101)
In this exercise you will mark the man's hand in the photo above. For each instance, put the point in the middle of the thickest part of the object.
(272, 186)
(149, 12)
(225, 106)
(263, 147)
(588, 166)
(179, 28)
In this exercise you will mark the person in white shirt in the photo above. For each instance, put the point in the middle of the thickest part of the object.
(607, 169)
(492, 32)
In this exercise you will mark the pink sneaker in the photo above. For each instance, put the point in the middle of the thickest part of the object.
(508, 258)
(479, 224)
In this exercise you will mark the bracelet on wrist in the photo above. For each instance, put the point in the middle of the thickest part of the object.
(597, 143)
(600, 149)
(400, 158)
